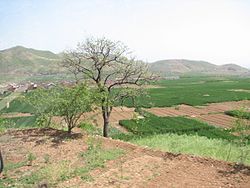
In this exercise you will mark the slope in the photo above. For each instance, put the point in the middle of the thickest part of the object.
(182, 66)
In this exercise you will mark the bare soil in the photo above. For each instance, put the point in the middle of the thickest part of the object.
(212, 113)
(95, 117)
(12, 115)
(138, 167)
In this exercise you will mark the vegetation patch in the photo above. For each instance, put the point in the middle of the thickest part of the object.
(18, 105)
(19, 122)
(205, 90)
(238, 114)
(55, 172)
(152, 125)
(195, 145)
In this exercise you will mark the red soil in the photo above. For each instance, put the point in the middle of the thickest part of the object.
(138, 167)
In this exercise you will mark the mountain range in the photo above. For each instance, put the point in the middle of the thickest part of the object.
(25, 62)
(183, 66)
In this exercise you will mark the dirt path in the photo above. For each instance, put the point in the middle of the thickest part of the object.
(12, 115)
(212, 113)
(138, 167)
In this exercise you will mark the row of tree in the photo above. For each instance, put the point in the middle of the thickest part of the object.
(108, 70)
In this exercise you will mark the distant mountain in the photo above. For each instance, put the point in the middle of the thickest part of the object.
(21, 60)
(20, 63)
(183, 66)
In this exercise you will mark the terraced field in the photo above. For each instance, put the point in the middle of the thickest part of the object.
(212, 113)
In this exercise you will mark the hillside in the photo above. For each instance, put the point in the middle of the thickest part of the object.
(86, 161)
(24, 62)
(20, 63)
(182, 66)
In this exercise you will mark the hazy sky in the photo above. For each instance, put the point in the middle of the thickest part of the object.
(213, 30)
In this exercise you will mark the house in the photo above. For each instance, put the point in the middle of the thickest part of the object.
(12, 87)
(31, 86)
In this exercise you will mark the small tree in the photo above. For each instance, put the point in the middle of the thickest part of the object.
(72, 103)
(107, 65)
(69, 103)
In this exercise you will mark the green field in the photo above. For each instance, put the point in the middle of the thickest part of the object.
(182, 135)
(18, 105)
(17, 123)
(9, 98)
(152, 125)
(196, 91)
(187, 90)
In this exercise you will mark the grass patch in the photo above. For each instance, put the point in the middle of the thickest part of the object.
(12, 166)
(59, 171)
(8, 99)
(20, 122)
(3, 95)
(152, 125)
(96, 157)
(238, 114)
(90, 129)
(195, 145)
(51, 173)
(17, 123)
(18, 105)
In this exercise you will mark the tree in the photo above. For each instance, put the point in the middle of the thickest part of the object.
(107, 65)
(69, 103)
(72, 103)
(42, 102)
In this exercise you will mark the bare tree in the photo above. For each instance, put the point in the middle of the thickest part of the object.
(107, 65)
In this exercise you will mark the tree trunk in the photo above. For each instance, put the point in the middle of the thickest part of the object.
(1, 162)
(105, 126)
(105, 115)
(69, 130)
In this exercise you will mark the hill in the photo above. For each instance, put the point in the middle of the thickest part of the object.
(25, 62)
(183, 66)
(20, 63)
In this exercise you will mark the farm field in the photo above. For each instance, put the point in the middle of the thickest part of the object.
(124, 94)
(182, 135)
(9, 98)
(190, 130)
(213, 113)
(196, 91)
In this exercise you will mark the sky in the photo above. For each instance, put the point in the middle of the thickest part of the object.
(217, 31)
